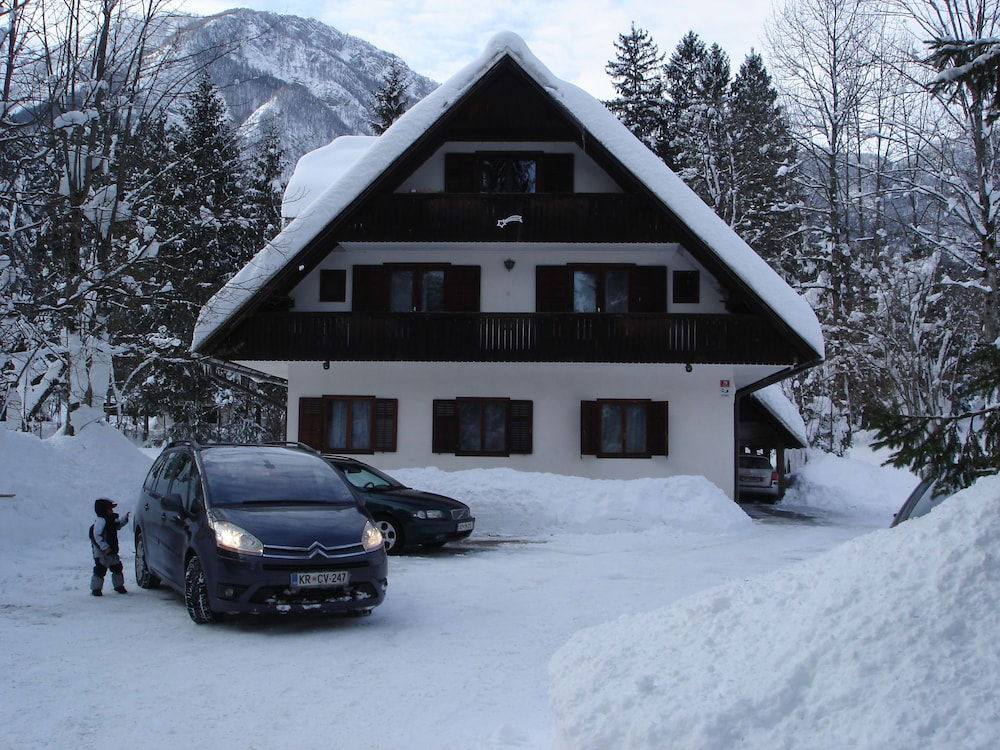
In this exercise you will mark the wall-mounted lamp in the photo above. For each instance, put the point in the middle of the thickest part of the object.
(687, 367)
(326, 365)
(509, 264)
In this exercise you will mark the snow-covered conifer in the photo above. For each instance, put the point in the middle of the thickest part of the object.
(637, 79)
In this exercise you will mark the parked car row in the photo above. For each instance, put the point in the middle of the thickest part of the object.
(275, 528)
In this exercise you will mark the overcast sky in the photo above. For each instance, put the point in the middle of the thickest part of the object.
(574, 38)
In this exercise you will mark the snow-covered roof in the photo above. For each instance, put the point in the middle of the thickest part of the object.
(318, 169)
(782, 409)
(600, 124)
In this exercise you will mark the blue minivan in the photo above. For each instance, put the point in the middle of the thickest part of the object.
(264, 528)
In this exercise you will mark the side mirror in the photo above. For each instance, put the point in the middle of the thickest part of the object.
(172, 503)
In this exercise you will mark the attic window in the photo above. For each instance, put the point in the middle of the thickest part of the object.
(507, 173)
(510, 172)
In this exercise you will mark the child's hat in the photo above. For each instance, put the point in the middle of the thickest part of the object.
(102, 505)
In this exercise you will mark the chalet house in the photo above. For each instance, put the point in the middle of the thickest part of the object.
(507, 277)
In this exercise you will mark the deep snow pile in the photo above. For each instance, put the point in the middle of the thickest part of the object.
(854, 485)
(513, 503)
(55, 481)
(888, 641)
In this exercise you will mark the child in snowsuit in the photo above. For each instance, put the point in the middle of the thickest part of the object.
(104, 544)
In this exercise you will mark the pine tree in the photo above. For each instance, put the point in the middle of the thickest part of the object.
(682, 86)
(636, 76)
(265, 188)
(207, 222)
(763, 163)
(389, 101)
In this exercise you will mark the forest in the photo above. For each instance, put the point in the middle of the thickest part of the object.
(857, 153)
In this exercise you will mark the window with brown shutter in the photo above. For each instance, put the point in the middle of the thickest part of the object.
(416, 287)
(348, 424)
(482, 426)
(623, 428)
(459, 173)
(601, 287)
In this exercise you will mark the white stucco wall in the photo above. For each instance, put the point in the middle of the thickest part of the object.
(503, 290)
(700, 424)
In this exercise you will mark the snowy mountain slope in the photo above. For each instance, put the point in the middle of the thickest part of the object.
(310, 78)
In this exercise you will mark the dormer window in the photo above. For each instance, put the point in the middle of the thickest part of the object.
(508, 172)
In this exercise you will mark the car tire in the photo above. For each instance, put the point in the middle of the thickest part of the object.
(143, 575)
(391, 533)
(196, 593)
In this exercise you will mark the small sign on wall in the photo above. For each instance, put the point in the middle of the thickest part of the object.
(724, 388)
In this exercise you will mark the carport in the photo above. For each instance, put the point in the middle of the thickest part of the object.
(768, 421)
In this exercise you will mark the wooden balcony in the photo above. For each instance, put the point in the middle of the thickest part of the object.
(436, 217)
(506, 337)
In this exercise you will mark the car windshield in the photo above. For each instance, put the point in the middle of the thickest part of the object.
(367, 477)
(265, 475)
(755, 462)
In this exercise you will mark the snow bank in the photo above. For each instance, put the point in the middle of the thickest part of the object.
(855, 486)
(513, 503)
(55, 481)
(889, 641)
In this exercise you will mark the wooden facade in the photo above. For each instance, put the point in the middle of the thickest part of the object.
(435, 217)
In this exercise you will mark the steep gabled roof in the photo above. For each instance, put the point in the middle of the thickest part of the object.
(706, 228)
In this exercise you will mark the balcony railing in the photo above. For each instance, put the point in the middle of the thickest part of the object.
(581, 217)
(506, 337)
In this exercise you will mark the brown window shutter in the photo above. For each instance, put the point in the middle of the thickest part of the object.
(553, 289)
(370, 290)
(648, 289)
(519, 431)
(444, 427)
(460, 173)
(333, 285)
(312, 423)
(556, 173)
(385, 424)
(657, 442)
(590, 429)
(461, 289)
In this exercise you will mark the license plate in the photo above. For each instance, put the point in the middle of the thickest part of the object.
(747, 478)
(466, 525)
(321, 578)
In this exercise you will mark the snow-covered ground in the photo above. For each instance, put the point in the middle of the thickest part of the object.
(459, 654)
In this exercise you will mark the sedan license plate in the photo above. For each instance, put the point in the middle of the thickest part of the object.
(320, 578)
(466, 525)
(749, 478)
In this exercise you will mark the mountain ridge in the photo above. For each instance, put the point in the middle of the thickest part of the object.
(311, 79)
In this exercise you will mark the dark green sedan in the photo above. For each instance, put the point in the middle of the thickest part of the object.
(406, 517)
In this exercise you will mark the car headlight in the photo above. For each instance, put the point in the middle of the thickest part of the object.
(232, 537)
(371, 537)
(429, 514)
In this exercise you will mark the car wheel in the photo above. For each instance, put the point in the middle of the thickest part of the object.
(143, 576)
(391, 533)
(196, 593)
